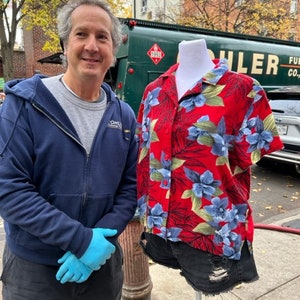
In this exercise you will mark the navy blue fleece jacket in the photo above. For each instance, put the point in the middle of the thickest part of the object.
(51, 192)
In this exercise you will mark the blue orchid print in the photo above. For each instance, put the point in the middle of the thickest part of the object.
(255, 93)
(161, 170)
(247, 125)
(222, 141)
(205, 132)
(156, 216)
(233, 251)
(219, 213)
(204, 184)
(146, 133)
(148, 136)
(218, 209)
(151, 100)
(193, 101)
(170, 233)
(237, 215)
(215, 74)
(142, 206)
(260, 139)
(222, 144)
(197, 131)
(208, 96)
(225, 235)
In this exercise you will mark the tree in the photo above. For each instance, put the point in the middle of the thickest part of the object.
(270, 18)
(30, 13)
(10, 18)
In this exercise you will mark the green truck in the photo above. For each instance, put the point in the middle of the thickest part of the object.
(149, 48)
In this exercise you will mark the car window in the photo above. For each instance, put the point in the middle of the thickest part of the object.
(285, 101)
(290, 107)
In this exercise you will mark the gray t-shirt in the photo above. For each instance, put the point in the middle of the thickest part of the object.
(85, 116)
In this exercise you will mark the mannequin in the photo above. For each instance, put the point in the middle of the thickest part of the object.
(193, 208)
(194, 63)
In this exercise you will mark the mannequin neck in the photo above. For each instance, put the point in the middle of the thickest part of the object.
(194, 63)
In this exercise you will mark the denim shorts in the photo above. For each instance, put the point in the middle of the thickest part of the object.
(205, 272)
(25, 280)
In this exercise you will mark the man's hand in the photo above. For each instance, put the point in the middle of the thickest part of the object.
(72, 269)
(99, 249)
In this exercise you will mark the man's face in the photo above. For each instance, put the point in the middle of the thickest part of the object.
(89, 49)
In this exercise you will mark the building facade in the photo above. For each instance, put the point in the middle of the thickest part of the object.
(156, 10)
(26, 61)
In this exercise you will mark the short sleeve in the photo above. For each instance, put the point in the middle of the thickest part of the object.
(257, 135)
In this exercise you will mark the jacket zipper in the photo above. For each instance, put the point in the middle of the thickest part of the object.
(60, 127)
(72, 137)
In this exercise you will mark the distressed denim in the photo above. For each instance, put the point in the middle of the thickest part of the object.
(204, 271)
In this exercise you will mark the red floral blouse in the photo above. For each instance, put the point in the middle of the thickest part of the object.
(195, 156)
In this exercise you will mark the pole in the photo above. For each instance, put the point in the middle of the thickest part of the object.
(198, 296)
(137, 282)
(134, 9)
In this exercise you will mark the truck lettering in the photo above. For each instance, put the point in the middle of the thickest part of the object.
(229, 57)
(211, 54)
(294, 60)
(259, 62)
(156, 54)
(240, 67)
(272, 66)
(293, 73)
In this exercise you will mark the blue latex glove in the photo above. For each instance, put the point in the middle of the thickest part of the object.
(99, 249)
(72, 269)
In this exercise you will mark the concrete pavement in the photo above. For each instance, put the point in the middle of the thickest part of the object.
(277, 256)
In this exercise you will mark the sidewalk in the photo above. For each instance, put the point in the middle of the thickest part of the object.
(277, 256)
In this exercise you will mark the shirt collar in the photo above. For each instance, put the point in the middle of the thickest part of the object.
(221, 67)
(212, 77)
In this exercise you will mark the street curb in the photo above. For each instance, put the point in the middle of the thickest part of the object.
(283, 218)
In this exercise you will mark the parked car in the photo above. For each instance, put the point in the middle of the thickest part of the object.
(285, 104)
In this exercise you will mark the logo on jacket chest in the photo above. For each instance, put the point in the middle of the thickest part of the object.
(115, 124)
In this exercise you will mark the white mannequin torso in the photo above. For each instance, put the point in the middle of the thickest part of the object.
(194, 63)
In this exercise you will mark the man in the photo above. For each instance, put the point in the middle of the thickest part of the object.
(67, 169)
